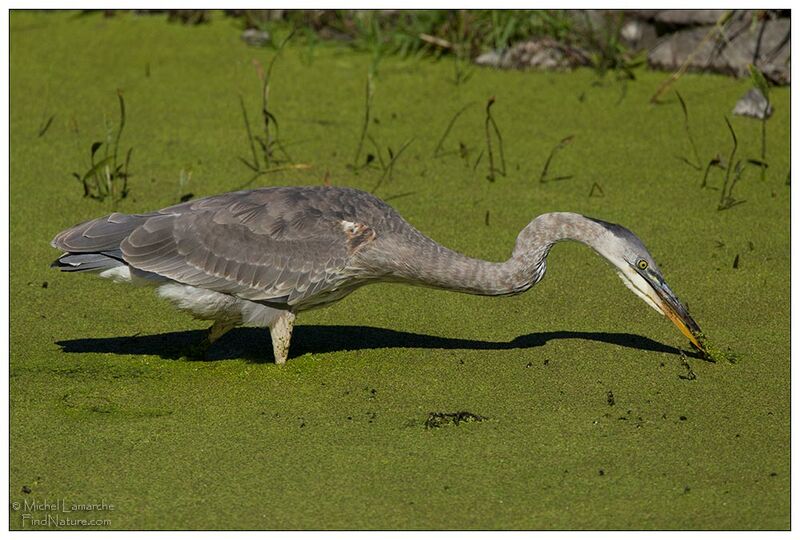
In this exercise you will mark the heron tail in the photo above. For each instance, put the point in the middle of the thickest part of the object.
(88, 262)
(93, 246)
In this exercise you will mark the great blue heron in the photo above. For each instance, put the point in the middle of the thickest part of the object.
(258, 257)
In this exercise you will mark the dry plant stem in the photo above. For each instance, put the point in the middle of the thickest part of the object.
(437, 41)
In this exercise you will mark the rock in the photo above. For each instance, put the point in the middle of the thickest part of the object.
(643, 14)
(254, 16)
(638, 35)
(189, 16)
(490, 59)
(688, 17)
(540, 53)
(767, 42)
(327, 32)
(753, 104)
(256, 38)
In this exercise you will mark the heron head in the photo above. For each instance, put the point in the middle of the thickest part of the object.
(641, 274)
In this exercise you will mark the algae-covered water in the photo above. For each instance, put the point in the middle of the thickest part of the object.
(591, 418)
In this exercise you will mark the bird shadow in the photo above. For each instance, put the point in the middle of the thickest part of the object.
(253, 344)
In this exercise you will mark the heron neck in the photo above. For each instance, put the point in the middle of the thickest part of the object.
(431, 264)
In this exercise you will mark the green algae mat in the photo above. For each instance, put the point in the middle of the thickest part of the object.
(571, 406)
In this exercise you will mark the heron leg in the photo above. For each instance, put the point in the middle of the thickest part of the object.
(281, 332)
(217, 330)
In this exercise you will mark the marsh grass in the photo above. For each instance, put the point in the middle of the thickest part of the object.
(734, 170)
(432, 32)
(45, 124)
(461, 34)
(385, 163)
(308, 53)
(596, 190)
(462, 70)
(607, 50)
(372, 35)
(726, 199)
(387, 166)
(477, 161)
(760, 82)
(561, 144)
(107, 177)
(250, 139)
(269, 142)
(437, 152)
(490, 126)
(716, 161)
(696, 164)
(369, 93)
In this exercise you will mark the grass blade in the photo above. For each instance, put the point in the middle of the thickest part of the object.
(688, 132)
(369, 93)
(449, 127)
(564, 142)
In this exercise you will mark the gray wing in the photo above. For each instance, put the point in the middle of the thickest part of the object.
(275, 246)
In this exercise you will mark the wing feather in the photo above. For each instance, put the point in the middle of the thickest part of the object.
(278, 247)
(97, 235)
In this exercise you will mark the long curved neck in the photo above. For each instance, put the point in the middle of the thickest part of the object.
(424, 262)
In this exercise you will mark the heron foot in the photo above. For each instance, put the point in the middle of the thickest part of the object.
(281, 332)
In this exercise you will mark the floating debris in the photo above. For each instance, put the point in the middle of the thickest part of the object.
(713, 353)
(690, 375)
(439, 419)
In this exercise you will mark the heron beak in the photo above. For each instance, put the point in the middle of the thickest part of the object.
(679, 315)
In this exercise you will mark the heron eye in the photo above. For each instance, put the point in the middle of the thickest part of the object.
(642, 264)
